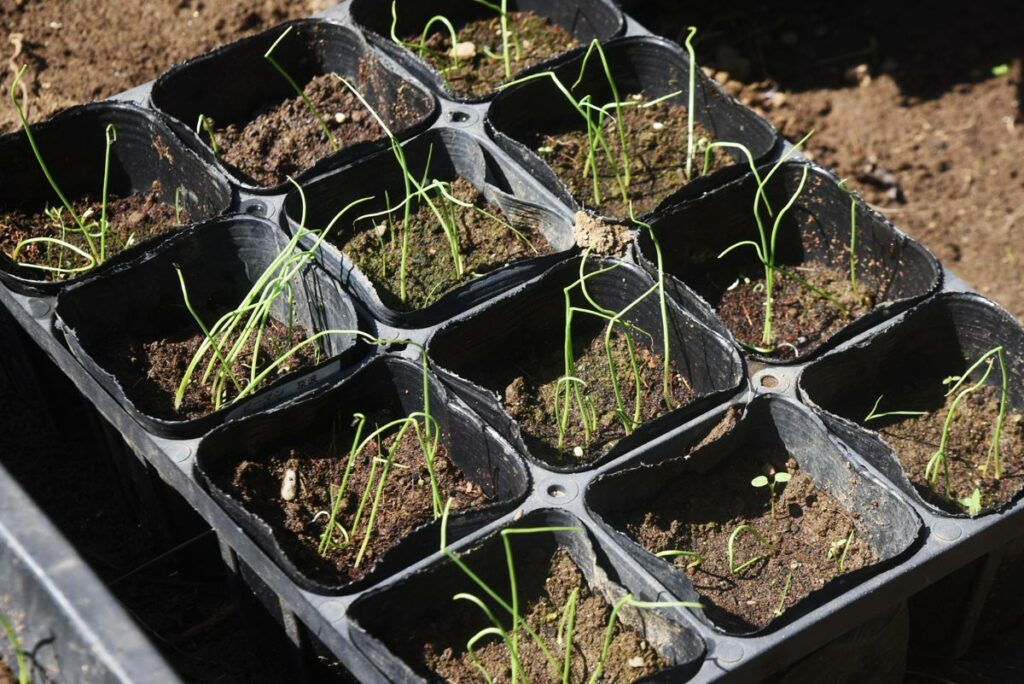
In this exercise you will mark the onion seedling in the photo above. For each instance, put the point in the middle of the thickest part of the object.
(781, 608)
(560, 669)
(204, 124)
(695, 558)
(940, 459)
(874, 414)
(776, 478)
(95, 233)
(853, 234)
(839, 548)
(268, 55)
(730, 548)
(224, 343)
(24, 671)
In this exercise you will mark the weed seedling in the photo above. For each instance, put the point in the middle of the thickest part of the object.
(940, 459)
(763, 540)
(972, 503)
(776, 479)
(268, 55)
(560, 666)
(838, 550)
(24, 671)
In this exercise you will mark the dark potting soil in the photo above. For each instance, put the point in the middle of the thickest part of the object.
(545, 581)
(656, 140)
(150, 371)
(915, 440)
(284, 139)
(319, 467)
(802, 318)
(132, 220)
(6, 676)
(481, 64)
(484, 243)
(529, 398)
(699, 513)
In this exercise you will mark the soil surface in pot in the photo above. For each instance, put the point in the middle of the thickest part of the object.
(481, 67)
(284, 139)
(656, 141)
(150, 371)
(529, 398)
(803, 318)
(133, 219)
(700, 513)
(916, 439)
(6, 676)
(319, 467)
(545, 581)
(103, 47)
(485, 243)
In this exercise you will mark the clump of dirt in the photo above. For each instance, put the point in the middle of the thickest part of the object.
(915, 439)
(6, 676)
(803, 317)
(319, 468)
(545, 582)
(486, 242)
(133, 219)
(151, 370)
(284, 138)
(600, 237)
(699, 513)
(530, 398)
(656, 141)
(481, 67)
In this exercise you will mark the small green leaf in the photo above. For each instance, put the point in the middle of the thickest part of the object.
(1000, 69)
(783, 477)
(760, 481)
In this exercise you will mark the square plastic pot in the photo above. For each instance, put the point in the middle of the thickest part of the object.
(883, 518)
(815, 231)
(940, 337)
(478, 354)
(233, 83)
(452, 154)
(653, 66)
(585, 20)
(220, 260)
(424, 598)
(389, 384)
(73, 145)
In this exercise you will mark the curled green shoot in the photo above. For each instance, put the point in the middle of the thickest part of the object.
(694, 558)
(839, 549)
(688, 44)
(268, 55)
(730, 548)
(203, 124)
(874, 413)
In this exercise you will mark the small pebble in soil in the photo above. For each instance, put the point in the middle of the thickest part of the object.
(289, 484)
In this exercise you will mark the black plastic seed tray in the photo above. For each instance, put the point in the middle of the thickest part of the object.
(857, 623)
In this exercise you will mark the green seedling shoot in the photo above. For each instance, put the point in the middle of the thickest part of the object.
(776, 479)
(838, 550)
(24, 671)
(781, 608)
(204, 124)
(853, 234)
(596, 118)
(268, 55)
(95, 233)
(688, 44)
(224, 343)
(972, 503)
(694, 558)
(730, 548)
(874, 413)
(940, 458)
(559, 660)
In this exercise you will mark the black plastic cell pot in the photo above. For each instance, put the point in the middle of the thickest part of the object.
(452, 154)
(481, 353)
(425, 600)
(221, 260)
(585, 20)
(941, 337)
(814, 233)
(653, 66)
(881, 517)
(233, 83)
(388, 385)
(73, 145)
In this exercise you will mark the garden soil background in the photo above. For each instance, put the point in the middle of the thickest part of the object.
(909, 101)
